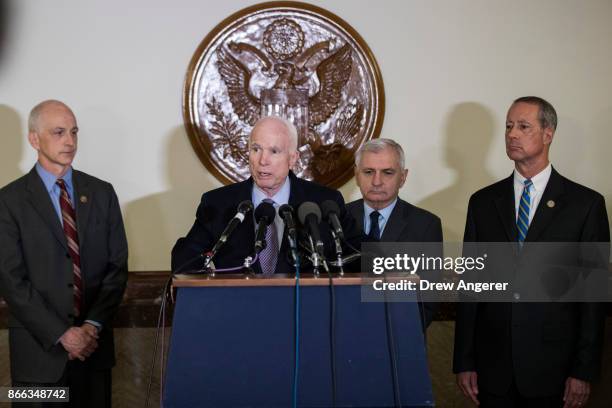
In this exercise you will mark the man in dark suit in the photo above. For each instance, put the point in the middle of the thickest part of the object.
(272, 153)
(63, 266)
(531, 354)
(380, 173)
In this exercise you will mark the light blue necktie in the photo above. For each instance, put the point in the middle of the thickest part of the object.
(522, 222)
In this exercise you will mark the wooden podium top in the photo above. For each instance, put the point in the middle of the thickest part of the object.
(182, 281)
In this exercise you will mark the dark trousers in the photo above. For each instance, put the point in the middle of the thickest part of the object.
(514, 399)
(88, 387)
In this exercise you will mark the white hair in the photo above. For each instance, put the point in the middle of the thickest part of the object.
(376, 145)
(289, 127)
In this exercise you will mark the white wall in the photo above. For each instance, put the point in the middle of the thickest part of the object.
(451, 69)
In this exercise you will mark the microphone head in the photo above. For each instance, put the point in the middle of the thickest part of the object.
(329, 207)
(266, 212)
(309, 208)
(285, 209)
(245, 206)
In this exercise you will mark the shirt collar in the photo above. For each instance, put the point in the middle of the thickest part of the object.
(539, 180)
(280, 198)
(385, 212)
(49, 179)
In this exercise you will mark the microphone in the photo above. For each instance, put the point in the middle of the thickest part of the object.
(309, 214)
(286, 213)
(330, 214)
(243, 208)
(264, 216)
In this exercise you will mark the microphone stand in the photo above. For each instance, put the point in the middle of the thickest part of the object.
(246, 267)
(316, 259)
(339, 261)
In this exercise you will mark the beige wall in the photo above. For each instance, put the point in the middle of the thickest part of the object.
(451, 68)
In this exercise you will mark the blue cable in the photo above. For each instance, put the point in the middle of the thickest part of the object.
(297, 331)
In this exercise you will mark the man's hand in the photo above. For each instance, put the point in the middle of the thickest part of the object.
(468, 384)
(576, 393)
(79, 342)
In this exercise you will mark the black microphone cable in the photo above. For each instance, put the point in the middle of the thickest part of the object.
(161, 326)
(392, 352)
(332, 331)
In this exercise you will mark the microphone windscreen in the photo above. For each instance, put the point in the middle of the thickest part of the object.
(328, 207)
(284, 209)
(245, 206)
(307, 208)
(265, 211)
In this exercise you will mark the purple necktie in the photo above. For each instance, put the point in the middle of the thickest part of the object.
(269, 255)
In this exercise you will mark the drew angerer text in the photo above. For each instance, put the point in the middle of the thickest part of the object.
(423, 284)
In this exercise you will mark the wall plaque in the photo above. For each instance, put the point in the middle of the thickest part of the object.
(288, 59)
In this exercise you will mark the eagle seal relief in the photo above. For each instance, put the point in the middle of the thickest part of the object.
(286, 59)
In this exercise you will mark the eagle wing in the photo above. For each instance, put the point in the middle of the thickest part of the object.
(333, 74)
(237, 77)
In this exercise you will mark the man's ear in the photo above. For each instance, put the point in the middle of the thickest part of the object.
(549, 133)
(404, 176)
(293, 158)
(34, 140)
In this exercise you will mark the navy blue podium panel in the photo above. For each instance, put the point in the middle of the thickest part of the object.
(232, 345)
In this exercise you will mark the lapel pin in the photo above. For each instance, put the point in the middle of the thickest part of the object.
(84, 199)
(550, 203)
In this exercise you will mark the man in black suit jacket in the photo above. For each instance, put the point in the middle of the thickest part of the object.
(531, 354)
(380, 173)
(272, 153)
(62, 282)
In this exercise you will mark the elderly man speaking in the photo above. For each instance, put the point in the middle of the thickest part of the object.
(272, 154)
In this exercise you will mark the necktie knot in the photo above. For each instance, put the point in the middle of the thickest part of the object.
(528, 183)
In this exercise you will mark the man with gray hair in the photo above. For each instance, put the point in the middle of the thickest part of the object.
(63, 266)
(380, 173)
(531, 354)
(272, 154)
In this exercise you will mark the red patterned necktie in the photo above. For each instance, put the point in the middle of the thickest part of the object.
(72, 237)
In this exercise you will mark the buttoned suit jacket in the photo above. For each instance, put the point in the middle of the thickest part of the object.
(218, 207)
(538, 345)
(36, 272)
(407, 223)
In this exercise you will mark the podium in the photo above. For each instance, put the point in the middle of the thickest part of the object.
(232, 345)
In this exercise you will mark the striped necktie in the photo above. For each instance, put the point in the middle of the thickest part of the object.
(269, 255)
(72, 238)
(522, 221)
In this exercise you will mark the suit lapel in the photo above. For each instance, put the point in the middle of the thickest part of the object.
(39, 199)
(544, 213)
(357, 212)
(504, 204)
(83, 199)
(395, 224)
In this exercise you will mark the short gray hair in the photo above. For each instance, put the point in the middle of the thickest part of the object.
(377, 145)
(38, 109)
(290, 127)
(547, 116)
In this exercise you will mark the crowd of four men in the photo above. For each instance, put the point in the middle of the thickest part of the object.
(63, 256)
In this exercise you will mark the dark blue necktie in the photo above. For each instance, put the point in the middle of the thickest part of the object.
(374, 234)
